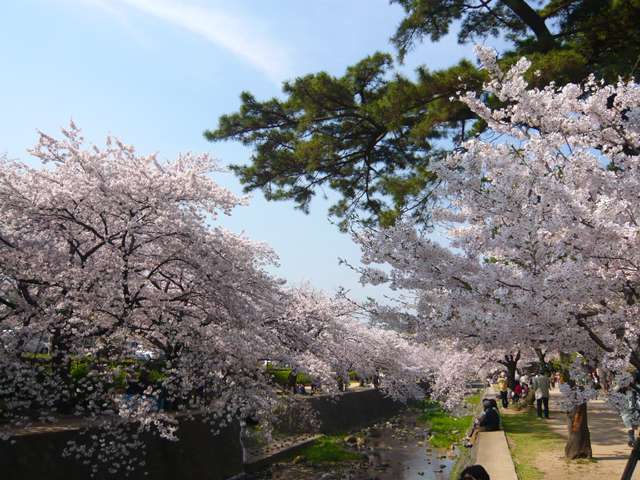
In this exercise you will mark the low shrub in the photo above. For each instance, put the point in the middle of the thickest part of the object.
(281, 376)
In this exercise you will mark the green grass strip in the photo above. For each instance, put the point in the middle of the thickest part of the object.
(329, 448)
(447, 429)
(529, 437)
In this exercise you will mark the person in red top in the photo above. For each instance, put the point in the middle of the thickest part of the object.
(517, 391)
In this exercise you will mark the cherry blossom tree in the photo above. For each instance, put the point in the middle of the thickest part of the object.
(123, 302)
(104, 251)
(541, 214)
(338, 339)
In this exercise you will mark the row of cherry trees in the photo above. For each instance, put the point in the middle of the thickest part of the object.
(104, 248)
(542, 217)
(105, 252)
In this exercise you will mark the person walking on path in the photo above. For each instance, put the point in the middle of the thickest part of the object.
(540, 385)
(503, 389)
(630, 413)
(630, 408)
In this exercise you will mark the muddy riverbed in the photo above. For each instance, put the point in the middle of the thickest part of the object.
(396, 449)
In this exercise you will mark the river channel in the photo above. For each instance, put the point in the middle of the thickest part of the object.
(395, 449)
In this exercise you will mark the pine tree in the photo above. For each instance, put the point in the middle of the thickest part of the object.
(371, 134)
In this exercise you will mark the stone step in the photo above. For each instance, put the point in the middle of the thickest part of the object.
(256, 459)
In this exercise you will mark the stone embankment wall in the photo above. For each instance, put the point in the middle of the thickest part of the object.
(335, 414)
(198, 455)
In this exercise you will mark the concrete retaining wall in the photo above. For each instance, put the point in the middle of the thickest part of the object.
(198, 454)
(333, 414)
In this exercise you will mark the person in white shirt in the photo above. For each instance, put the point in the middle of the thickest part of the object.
(541, 385)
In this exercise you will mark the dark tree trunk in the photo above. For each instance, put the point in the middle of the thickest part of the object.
(60, 364)
(541, 359)
(511, 363)
(511, 374)
(579, 441)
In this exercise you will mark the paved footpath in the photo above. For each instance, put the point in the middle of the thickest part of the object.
(608, 444)
(492, 451)
(493, 454)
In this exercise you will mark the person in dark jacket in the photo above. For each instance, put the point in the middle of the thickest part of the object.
(474, 472)
(489, 419)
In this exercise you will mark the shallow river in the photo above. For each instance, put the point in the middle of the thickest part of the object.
(393, 450)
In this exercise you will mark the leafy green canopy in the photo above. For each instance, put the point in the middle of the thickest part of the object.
(371, 134)
(566, 39)
(368, 137)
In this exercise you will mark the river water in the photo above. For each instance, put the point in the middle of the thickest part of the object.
(396, 449)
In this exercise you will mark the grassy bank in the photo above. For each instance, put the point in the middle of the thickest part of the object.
(329, 448)
(446, 428)
(528, 438)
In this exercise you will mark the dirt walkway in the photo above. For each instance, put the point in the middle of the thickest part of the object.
(608, 443)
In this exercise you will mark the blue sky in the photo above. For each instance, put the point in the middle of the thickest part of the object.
(157, 73)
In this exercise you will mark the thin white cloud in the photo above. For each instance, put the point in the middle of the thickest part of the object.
(241, 36)
(109, 8)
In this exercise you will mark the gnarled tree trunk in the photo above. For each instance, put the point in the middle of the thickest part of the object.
(542, 361)
(511, 362)
(579, 441)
